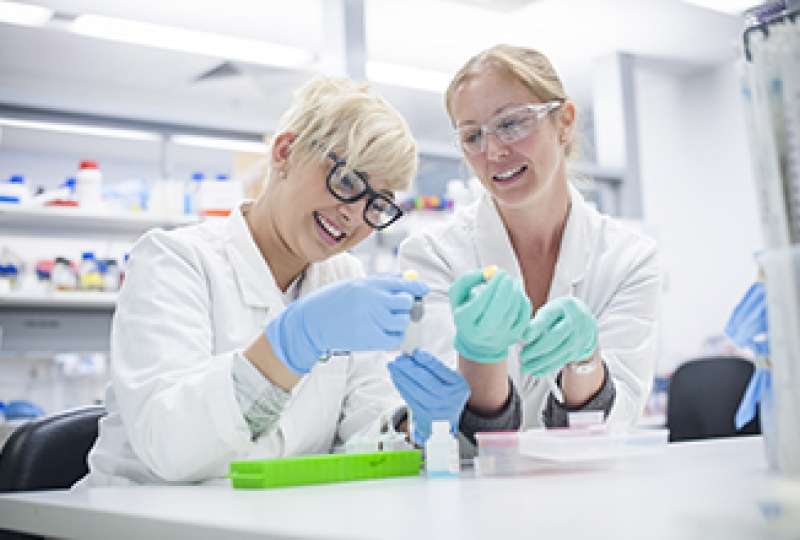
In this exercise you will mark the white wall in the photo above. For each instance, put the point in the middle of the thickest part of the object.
(699, 197)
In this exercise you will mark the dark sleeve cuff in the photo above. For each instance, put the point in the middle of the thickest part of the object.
(509, 418)
(555, 414)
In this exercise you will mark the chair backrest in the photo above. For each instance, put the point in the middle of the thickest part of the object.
(703, 397)
(49, 453)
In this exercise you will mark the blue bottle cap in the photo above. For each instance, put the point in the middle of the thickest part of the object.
(222, 178)
(87, 256)
(198, 176)
(17, 179)
(102, 266)
(18, 408)
(70, 183)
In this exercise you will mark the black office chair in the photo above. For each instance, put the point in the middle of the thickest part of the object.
(48, 453)
(703, 397)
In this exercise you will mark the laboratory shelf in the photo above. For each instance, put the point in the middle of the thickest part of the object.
(77, 222)
(67, 300)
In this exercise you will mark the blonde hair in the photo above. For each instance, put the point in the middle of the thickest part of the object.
(340, 115)
(528, 66)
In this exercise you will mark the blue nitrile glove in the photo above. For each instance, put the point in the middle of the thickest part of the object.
(747, 326)
(367, 314)
(760, 383)
(432, 390)
(488, 321)
(562, 331)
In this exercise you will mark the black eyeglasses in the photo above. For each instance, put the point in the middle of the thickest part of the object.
(349, 187)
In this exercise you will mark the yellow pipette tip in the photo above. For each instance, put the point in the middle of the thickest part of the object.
(410, 275)
(489, 272)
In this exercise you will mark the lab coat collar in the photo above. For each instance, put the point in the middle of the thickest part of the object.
(494, 244)
(577, 244)
(256, 282)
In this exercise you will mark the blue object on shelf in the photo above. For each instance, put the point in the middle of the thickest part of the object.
(17, 409)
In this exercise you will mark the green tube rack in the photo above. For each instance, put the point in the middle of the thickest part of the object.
(324, 468)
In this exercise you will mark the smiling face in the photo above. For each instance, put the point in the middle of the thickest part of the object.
(519, 173)
(313, 223)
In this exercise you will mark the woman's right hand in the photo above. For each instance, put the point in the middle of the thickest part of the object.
(488, 321)
(366, 314)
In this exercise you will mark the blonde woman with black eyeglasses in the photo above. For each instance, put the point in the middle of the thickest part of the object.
(246, 337)
(569, 321)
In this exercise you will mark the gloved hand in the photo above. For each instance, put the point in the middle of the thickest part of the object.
(492, 319)
(432, 390)
(747, 326)
(562, 331)
(365, 314)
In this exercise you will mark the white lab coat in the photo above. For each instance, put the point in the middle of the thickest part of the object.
(610, 267)
(193, 298)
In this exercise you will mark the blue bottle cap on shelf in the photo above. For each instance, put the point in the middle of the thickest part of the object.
(17, 179)
(70, 183)
(198, 176)
(222, 178)
(19, 408)
(102, 266)
(87, 256)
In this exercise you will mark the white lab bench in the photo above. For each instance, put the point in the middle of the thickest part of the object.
(710, 489)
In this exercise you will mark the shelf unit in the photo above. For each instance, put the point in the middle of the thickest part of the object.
(67, 300)
(68, 321)
(77, 222)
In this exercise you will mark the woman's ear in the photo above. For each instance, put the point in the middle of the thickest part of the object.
(566, 121)
(281, 149)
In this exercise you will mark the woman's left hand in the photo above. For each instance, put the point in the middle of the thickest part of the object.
(562, 331)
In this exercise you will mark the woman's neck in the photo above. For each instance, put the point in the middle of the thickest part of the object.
(284, 264)
(535, 230)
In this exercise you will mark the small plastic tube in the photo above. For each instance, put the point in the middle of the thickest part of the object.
(412, 336)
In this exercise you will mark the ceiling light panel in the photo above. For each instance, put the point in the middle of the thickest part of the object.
(24, 14)
(191, 41)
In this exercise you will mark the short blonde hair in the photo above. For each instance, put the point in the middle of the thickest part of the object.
(529, 66)
(349, 118)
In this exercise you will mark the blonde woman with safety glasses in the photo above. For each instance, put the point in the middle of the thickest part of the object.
(574, 303)
(240, 338)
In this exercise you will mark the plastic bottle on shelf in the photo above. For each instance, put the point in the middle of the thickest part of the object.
(191, 193)
(14, 191)
(89, 185)
(217, 199)
(62, 276)
(8, 277)
(64, 195)
(441, 451)
(111, 275)
(123, 269)
(89, 273)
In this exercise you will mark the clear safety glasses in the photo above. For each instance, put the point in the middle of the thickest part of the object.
(509, 126)
(349, 187)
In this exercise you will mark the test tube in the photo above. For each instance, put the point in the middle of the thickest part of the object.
(412, 337)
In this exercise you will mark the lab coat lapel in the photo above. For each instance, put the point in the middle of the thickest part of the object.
(577, 244)
(492, 242)
(256, 282)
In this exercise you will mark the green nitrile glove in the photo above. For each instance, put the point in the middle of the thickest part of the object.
(489, 320)
(562, 331)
